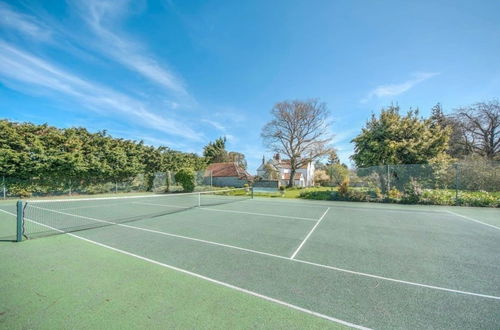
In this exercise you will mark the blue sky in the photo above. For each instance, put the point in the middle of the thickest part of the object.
(182, 73)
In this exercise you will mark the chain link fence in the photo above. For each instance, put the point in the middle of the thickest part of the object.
(477, 175)
(161, 182)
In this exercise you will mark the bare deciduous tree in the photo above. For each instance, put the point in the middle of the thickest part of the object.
(480, 125)
(299, 130)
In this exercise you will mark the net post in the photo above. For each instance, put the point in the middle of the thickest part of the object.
(251, 192)
(199, 199)
(19, 230)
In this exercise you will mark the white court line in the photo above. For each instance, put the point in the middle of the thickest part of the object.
(309, 234)
(209, 279)
(472, 219)
(89, 207)
(261, 214)
(294, 260)
(233, 211)
(320, 204)
(8, 212)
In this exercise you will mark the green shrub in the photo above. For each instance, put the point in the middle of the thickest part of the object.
(21, 190)
(394, 194)
(357, 195)
(318, 195)
(186, 177)
(413, 192)
(477, 198)
(344, 187)
(438, 197)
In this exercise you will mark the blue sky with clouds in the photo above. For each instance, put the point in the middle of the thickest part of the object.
(182, 73)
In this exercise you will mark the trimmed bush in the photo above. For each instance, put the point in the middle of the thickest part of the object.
(186, 177)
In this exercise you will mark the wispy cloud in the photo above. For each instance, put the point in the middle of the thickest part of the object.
(215, 124)
(396, 89)
(23, 23)
(20, 66)
(101, 17)
(341, 136)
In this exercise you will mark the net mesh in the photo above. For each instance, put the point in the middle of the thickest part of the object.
(50, 217)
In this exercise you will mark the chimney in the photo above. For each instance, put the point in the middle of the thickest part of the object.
(277, 157)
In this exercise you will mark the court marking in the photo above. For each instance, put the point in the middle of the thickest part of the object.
(88, 207)
(233, 211)
(333, 204)
(287, 258)
(472, 219)
(309, 234)
(209, 279)
(8, 212)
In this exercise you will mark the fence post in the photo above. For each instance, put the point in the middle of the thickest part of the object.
(456, 182)
(388, 179)
(19, 231)
(3, 188)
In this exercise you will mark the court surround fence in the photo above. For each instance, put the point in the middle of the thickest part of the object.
(477, 175)
(13, 187)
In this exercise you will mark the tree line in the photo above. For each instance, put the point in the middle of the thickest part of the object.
(35, 155)
(395, 138)
(301, 131)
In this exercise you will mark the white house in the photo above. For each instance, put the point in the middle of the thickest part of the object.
(304, 176)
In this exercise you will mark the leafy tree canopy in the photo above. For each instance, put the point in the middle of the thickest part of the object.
(392, 138)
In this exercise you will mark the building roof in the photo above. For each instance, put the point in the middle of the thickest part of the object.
(227, 170)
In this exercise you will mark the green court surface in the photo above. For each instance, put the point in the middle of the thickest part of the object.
(254, 263)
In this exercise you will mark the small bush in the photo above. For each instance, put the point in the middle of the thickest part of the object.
(186, 177)
(317, 195)
(413, 192)
(478, 198)
(394, 194)
(344, 187)
(438, 197)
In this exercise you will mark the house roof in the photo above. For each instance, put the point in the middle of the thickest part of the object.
(227, 170)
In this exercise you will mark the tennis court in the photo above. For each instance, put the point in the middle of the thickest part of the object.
(349, 264)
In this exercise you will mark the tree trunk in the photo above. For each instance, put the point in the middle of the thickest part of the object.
(292, 175)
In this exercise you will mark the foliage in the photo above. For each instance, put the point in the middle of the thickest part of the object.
(394, 194)
(215, 152)
(270, 172)
(321, 178)
(427, 196)
(478, 198)
(238, 158)
(333, 158)
(456, 145)
(42, 158)
(337, 172)
(393, 138)
(344, 187)
(186, 177)
(480, 127)
(300, 130)
(413, 192)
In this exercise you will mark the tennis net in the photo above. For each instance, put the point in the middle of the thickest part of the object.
(49, 217)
